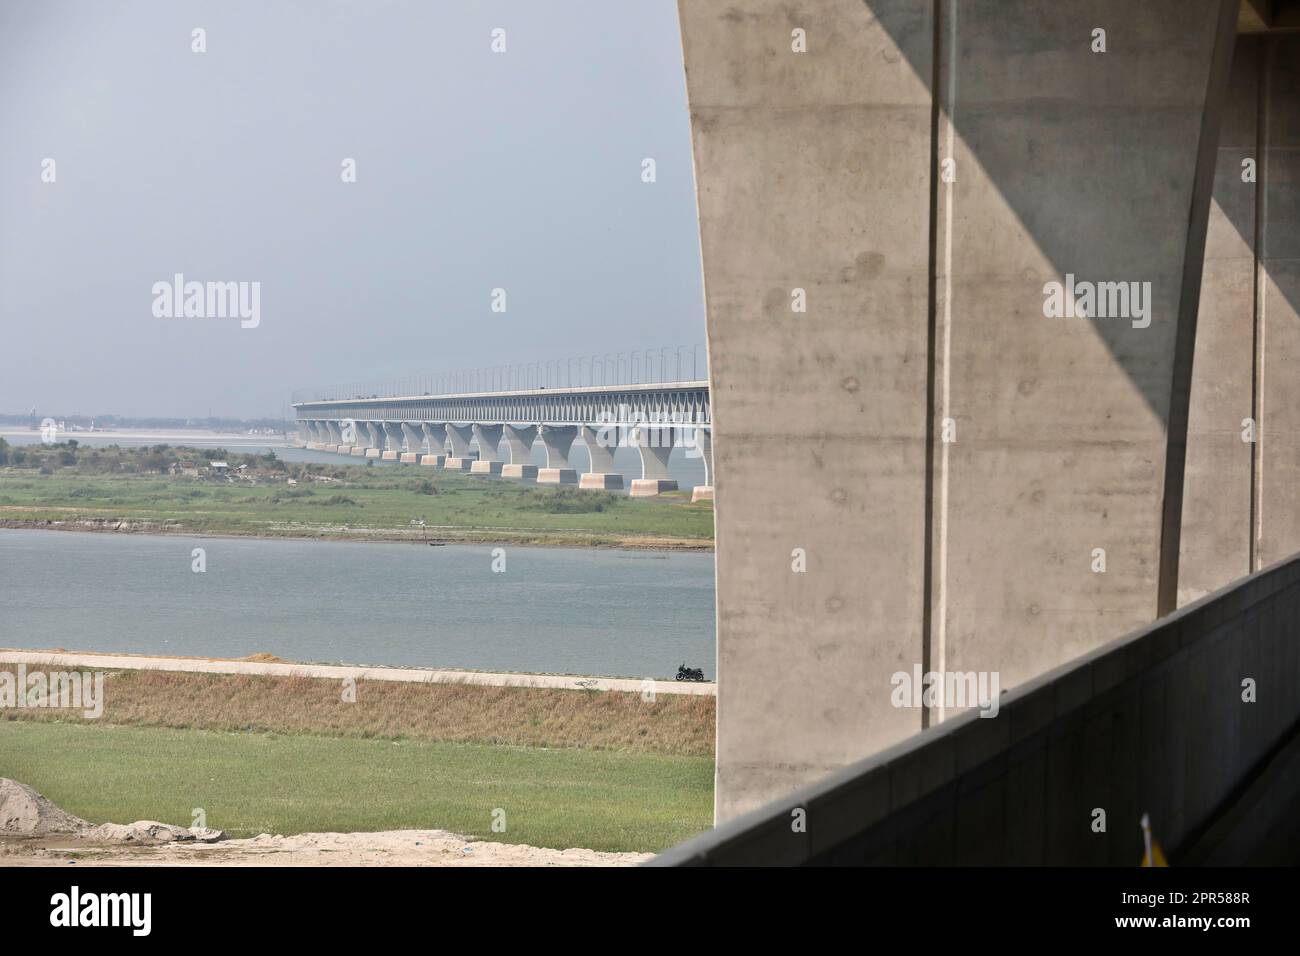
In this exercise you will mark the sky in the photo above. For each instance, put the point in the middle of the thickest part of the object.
(475, 170)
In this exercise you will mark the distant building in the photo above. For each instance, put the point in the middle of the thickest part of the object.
(185, 467)
(220, 467)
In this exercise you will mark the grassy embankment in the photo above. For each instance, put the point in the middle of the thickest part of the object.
(603, 770)
(91, 489)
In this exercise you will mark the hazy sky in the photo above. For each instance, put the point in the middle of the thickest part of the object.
(475, 170)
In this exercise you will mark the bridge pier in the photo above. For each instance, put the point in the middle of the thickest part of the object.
(519, 439)
(601, 442)
(557, 440)
(374, 444)
(702, 439)
(978, 450)
(655, 443)
(489, 461)
(392, 440)
(435, 434)
(460, 437)
(412, 439)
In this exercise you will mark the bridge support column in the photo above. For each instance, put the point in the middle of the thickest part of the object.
(374, 439)
(655, 443)
(460, 437)
(435, 435)
(977, 439)
(1239, 513)
(558, 439)
(412, 439)
(391, 433)
(701, 444)
(601, 441)
(489, 450)
(351, 436)
(519, 439)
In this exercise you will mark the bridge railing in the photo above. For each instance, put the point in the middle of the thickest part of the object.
(1168, 721)
(666, 365)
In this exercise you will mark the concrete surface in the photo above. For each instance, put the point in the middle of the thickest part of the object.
(941, 458)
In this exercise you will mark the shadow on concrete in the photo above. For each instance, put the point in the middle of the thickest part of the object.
(1095, 166)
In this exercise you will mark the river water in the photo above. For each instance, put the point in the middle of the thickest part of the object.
(553, 610)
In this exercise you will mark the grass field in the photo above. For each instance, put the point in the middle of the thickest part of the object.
(365, 502)
(250, 783)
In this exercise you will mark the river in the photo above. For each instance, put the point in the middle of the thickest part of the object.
(552, 610)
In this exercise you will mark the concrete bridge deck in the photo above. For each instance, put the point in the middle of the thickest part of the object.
(439, 430)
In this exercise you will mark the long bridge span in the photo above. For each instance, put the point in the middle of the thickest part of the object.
(439, 430)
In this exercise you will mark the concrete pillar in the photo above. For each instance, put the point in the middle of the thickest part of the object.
(1277, 454)
(374, 439)
(412, 439)
(489, 450)
(925, 462)
(435, 435)
(655, 443)
(519, 439)
(1216, 541)
(351, 437)
(701, 444)
(460, 437)
(391, 433)
(602, 442)
(558, 439)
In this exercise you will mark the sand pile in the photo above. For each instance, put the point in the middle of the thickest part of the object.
(24, 812)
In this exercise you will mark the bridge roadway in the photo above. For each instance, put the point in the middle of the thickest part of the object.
(438, 431)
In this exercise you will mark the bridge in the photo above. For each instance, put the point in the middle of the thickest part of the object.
(439, 430)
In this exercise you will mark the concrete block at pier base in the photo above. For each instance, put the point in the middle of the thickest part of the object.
(557, 476)
(701, 493)
(373, 452)
(489, 468)
(459, 464)
(356, 450)
(341, 449)
(390, 455)
(519, 471)
(649, 487)
(433, 461)
(409, 458)
(598, 481)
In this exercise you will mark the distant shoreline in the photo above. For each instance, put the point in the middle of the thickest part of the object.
(433, 536)
(160, 436)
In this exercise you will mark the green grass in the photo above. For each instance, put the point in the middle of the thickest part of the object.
(380, 499)
(269, 783)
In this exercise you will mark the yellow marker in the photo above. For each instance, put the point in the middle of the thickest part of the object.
(1154, 855)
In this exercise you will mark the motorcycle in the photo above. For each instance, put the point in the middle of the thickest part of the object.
(690, 673)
